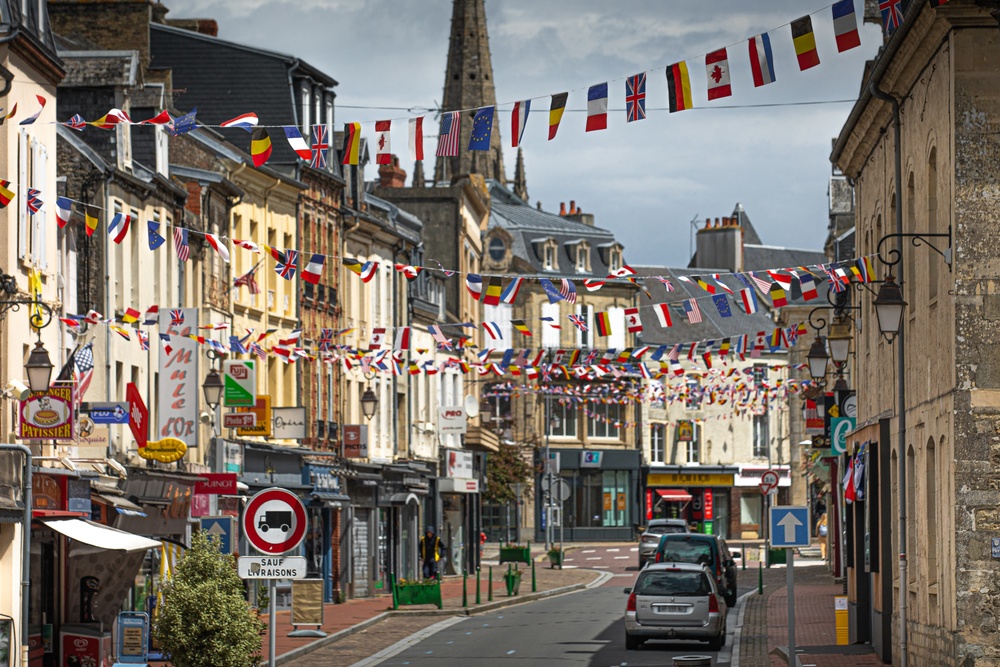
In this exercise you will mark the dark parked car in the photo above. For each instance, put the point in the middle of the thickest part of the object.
(709, 550)
(675, 601)
(651, 537)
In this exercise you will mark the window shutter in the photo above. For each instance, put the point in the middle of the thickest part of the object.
(22, 194)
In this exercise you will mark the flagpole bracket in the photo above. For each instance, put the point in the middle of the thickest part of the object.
(894, 256)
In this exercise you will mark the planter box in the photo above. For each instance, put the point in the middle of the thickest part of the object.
(555, 560)
(515, 554)
(410, 594)
(512, 579)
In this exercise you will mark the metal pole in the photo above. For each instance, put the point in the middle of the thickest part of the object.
(478, 598)
(489, 595)
(562, 522)
(25, 547)
(790, 582)
(547, 421)
(272, 620)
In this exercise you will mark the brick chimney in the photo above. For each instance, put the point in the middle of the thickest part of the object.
(392, 175)
(576, 213)
(720, 245)
(562, 208)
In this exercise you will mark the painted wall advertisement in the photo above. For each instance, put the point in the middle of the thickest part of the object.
(177, 408)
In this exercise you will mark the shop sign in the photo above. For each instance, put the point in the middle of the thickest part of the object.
(452, 420)
(840, 427)
(138, 415)
(47, 415)
(621, 502)
(685, 431)
(133, 637)
(239, 420)
(166, 450)
(708, 505)
(239, 379)
(217, 484)
(356, 441)
(814, 419)
(177, 408)
(689, 479)
(108, 413)
(233, 457)
(77, 494)
(288, 423)
(453, 485)
(458, 464)
(322, 480)
(607, 501)
(262, 408)
(591, 459)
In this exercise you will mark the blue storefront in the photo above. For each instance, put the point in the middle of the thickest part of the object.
(326, 500)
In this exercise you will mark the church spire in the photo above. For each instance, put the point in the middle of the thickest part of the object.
(520, 179)
(468, 85)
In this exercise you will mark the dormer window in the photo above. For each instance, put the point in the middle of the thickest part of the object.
(583, 258)
(615, 259)
(550, 258)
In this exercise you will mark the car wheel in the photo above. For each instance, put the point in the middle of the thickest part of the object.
(731, 600)
(631, 643)
(716, 643)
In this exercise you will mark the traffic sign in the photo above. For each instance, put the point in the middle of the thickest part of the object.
(221, 528)
(768, 482)
(271, 567)
(274, 521)
(789, 526)
(239, 377)
(108, 413)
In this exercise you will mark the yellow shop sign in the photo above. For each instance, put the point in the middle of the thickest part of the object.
(167, 450)
(688, 479)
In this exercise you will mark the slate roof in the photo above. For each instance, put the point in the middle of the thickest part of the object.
(99, 68)
(224, 79)
(406, 225)
(527, 225)
(712, 327)
(30, 24)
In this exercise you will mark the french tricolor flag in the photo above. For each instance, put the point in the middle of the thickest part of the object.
(312, 272)
(246, 121)
(597, 107)
(493, 329)
(748, 298)
(518, 120)
(297, 143)
(64, 211)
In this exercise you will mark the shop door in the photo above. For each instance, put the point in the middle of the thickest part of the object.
(721, 512)
(359, 553)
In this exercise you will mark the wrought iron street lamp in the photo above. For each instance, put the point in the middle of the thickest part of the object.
(39, 369)
(369, 402)
(817, 359)
(839, 340)
(212, 388)
(889, 305)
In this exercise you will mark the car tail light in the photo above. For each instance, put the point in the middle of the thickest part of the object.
(631, 603)
(713, 603)
(658, 557)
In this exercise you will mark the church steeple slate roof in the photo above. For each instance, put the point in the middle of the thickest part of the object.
(468, 85)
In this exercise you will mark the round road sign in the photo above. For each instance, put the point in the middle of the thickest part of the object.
(274, 521)
(770, 477)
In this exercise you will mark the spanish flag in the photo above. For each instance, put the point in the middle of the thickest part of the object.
(556, 110)
(352, 143)
(603, 322)
(6, 196)
(260, 146)
(91, 222)
(805, 43)
(679, 87)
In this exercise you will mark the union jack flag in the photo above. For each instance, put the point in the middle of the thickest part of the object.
(892, 14)
(635, 97)
(580, 322)
(666, 283)
(325, 340)
(34, 202)
(143, 340)
(176, 318)
(76, 122)
(287, 268)
(320, 146)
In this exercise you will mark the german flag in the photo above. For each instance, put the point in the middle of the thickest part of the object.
(260, 146)
(491, 295)
(6, 196)
(352, 143)
(679, 87)
(805, 43)
(521, 326)
(603, 322)
(91, 222)
(556, 110)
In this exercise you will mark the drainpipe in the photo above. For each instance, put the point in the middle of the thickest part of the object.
(901, 373)
(25, 547)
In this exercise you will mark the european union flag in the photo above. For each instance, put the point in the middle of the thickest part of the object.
(182, 124)
(551, 291)
(155, 240)
(722, 303)
(482, 129)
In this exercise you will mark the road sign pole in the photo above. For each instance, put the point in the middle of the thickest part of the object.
(790, 583)
(272, 621)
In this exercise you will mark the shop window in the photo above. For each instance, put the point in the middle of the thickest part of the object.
(657, 442)
(603, 420)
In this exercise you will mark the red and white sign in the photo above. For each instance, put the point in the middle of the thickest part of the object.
(239, 420)
(768, 482)
(138, 415)
(217, 484)
(274, 521)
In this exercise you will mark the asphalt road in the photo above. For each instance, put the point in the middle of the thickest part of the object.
(584, 628)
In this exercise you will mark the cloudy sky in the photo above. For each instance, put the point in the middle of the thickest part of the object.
(645, 181)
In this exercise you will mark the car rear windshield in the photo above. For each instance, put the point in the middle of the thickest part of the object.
(665, 530)
(687, 552)
(672, 583)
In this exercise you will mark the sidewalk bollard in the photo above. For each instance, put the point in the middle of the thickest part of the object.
(744, 559)
(479, 600)
(760, 579)
(489, 595)
(534, 582)
(465, 588)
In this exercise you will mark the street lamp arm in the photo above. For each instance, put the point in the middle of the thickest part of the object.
(39, 320)
(894, 256)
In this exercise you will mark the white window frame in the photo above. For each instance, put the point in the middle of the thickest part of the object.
(550, 335)
(657, 442)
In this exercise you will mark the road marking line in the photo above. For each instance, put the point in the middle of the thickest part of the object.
(611, 550)
(594, 558)
(622, 557)
(588, 551)
(634, 549)
(410, 641)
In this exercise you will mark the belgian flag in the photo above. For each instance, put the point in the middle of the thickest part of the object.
(805, 43)
(6, 195)
(260, 146)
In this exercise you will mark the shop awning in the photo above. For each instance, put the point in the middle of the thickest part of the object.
(404, 499)
(100, 536)
(331, 499)
(674, 495)
(121, 505)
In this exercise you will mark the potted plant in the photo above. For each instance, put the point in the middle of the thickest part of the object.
(512, 578)
(555, 557)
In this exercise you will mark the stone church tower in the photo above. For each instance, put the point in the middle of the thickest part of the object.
(468, 85)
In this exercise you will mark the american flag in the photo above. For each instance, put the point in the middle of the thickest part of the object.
(34, 202)
(83, 370)
(320, 146)
(176, 318)
(249, 280)
(568, 290)
(451, 129)
(258, 350)
(580, 321)
(181, 244)
(692, 310)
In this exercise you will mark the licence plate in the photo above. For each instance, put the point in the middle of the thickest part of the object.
(672, 608)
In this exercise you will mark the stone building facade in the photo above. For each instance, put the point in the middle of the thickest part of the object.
(943, 67)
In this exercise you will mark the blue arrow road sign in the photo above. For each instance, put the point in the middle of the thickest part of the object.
(222, 528)
(789, 526)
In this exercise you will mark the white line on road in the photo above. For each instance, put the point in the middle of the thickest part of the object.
(588, 551)
(593, 558)
(404, 644)
(634, 549)
(622, 557)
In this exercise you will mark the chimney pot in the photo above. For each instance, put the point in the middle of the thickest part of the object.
(572, 207)
(562, 208)
(717, 223)
(708, 223)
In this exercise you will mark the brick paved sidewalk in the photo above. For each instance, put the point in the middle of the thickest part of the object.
(765, 623)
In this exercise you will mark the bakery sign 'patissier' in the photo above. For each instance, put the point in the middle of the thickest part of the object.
(47, 415)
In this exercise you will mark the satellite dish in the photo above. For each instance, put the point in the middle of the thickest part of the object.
(471, 407)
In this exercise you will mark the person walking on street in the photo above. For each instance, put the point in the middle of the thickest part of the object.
(430, 552)
(822, 530)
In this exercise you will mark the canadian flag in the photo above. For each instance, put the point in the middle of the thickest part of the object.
(377, 338)
(717, 69)
(383, 150)
(632, 321)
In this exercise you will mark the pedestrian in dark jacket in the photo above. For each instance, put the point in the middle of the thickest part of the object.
(430, 552)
